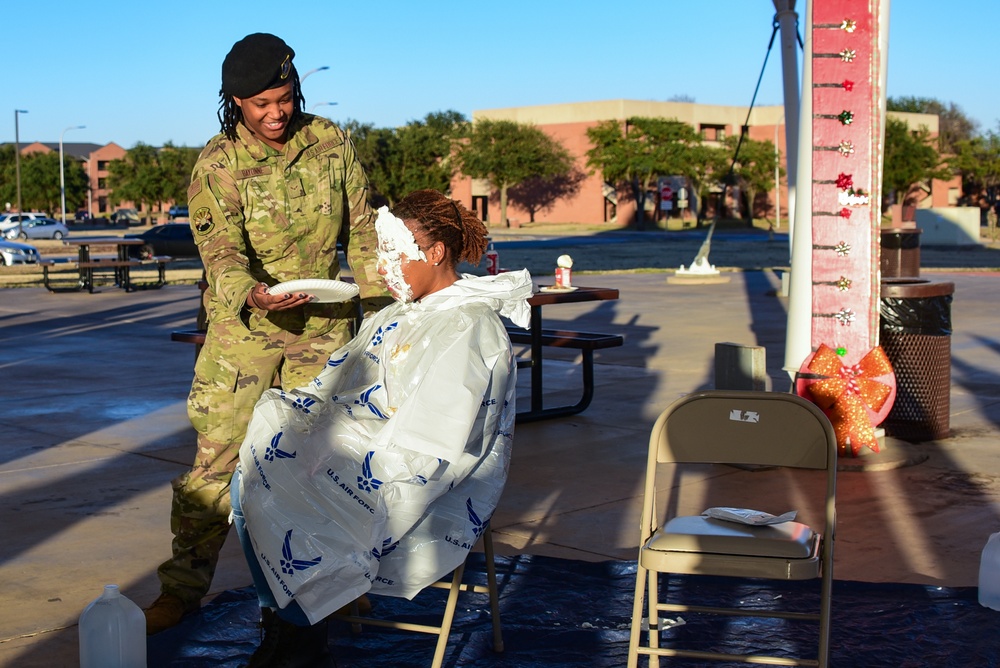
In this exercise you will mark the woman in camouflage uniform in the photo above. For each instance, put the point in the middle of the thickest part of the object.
(270, 198)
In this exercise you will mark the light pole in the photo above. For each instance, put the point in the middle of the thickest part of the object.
(306, 75)
(62, 169)
(319, 104)
(17, 162)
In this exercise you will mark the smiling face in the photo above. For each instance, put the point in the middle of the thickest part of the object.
(267, 113)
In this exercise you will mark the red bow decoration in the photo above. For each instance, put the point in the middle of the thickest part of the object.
(852, 396)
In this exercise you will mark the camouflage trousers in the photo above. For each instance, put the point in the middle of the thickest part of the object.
(233, 370)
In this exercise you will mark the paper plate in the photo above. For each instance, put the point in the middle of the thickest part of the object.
(324, 290)
(555, 288)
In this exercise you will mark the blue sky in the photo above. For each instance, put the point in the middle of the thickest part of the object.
(136, 71)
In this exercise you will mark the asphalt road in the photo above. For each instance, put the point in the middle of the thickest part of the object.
(658, 251)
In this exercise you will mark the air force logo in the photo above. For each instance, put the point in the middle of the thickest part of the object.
(366, 480)
(288, 563)
(273, 451)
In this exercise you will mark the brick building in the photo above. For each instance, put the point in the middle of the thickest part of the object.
(596, 201)
(94, 159)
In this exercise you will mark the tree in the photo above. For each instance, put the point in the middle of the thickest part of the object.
(413, 157)
(138, 177)
(910, 160)
(708, 165)
(754, 167)
(507, 154)
(40, 183)
(426, 148)
(636, 154)
(177, 163)
(151, 177)
(953, 125)
(978, 161)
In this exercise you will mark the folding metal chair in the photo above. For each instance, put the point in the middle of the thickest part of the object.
(739, 428)
(454, 586)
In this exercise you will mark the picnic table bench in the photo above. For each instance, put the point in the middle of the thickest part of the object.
(585, 342)
(86, 273)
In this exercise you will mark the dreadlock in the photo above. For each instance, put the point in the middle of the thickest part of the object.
(445, 220)
(230, 115)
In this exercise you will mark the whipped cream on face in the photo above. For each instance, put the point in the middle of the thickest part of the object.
(394, 241)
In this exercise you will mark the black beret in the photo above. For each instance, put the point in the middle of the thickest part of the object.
(256, 63)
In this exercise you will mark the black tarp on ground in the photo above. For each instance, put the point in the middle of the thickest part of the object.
(562, 613)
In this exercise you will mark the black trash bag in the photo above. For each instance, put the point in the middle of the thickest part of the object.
(930, 316)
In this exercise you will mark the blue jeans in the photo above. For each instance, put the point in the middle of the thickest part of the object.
(293, 612)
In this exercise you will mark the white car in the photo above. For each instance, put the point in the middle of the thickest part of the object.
(9, 220)
(13, 252)
(39, 228)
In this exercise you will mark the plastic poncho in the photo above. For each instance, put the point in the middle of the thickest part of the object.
(382, 473)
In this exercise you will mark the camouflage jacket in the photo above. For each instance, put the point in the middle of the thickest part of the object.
(263, 215)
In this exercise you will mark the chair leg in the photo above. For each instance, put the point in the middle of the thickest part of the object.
(654, 618)
(449, 616)
(491, 581)
(636, 630)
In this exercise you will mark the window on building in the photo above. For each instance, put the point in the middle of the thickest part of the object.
(102, 165)
(713, 132)
(101, 183)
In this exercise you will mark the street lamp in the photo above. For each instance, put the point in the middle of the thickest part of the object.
(17, 163)
(62, 169)
(319, 104)
(318, 69)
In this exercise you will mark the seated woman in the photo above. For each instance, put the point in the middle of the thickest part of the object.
(382, 473)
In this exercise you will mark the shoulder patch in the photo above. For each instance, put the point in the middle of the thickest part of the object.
(202, 220)
(194, 188)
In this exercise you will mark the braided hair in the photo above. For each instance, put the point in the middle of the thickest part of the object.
(230, 115)
(442, 219)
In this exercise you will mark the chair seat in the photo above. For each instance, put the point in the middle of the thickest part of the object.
(697, 533)
(697, 544)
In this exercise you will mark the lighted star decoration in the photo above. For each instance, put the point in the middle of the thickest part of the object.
(845, 117)
(846, 148)
(845, 316)
(848, 85)
(847, 55)
(849, 25)
(841, 350)
(843, 284)
(843, 249)
(845, 181)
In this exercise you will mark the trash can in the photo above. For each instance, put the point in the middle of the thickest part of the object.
(915, 333)
(900, 252)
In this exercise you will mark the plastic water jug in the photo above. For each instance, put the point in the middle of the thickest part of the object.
(989, 574)
(112, 632)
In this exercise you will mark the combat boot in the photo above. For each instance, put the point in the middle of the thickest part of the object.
(167, 611)
(287, 645)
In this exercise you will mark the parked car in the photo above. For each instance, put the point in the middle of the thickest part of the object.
(39, 228)
(13, 252)
(173, 239)
(126, 216)
(9, 220)
(177, 212)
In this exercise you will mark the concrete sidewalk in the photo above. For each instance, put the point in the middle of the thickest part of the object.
(96, 428)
